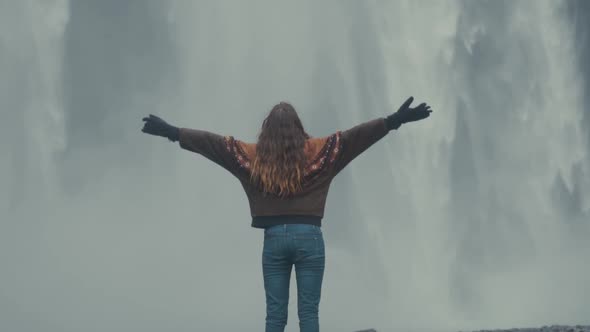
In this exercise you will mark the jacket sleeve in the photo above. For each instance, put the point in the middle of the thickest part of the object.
(210, 145)
(356, 140)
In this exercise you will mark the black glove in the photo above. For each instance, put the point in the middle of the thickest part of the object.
(156, 126)
(407, 114)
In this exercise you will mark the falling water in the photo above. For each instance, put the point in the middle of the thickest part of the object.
(495, 240)
(32, 46)
(477, 217)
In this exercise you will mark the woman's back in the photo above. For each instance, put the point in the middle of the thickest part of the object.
(326, 157)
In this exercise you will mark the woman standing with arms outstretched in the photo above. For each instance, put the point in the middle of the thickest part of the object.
(286, 175)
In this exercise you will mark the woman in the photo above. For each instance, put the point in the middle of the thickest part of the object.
(286, 176)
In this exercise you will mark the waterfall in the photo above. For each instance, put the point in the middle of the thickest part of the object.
(477, 217)
(488, 176)
(31, 37)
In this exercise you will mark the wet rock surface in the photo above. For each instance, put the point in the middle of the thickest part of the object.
(552, 328)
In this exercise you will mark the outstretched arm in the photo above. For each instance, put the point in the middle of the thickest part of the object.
(356, 140)
(210, 145)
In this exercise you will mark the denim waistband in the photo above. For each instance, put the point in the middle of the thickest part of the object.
(293, 228)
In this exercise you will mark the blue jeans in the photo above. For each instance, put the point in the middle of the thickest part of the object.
(285, 245)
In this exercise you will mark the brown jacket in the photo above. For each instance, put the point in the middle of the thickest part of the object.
(327, 156)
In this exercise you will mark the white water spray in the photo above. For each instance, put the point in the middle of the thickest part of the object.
(460, 221)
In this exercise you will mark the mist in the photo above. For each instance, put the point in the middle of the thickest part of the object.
(477, 217)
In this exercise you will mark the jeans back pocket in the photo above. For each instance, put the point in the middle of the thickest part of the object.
(309, 243)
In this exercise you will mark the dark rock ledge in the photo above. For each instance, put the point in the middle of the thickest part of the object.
(552, 328)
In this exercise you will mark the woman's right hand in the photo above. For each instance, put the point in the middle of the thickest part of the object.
(408, 114)
(156, 126)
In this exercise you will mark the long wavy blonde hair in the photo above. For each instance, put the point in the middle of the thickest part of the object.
(280, 161)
